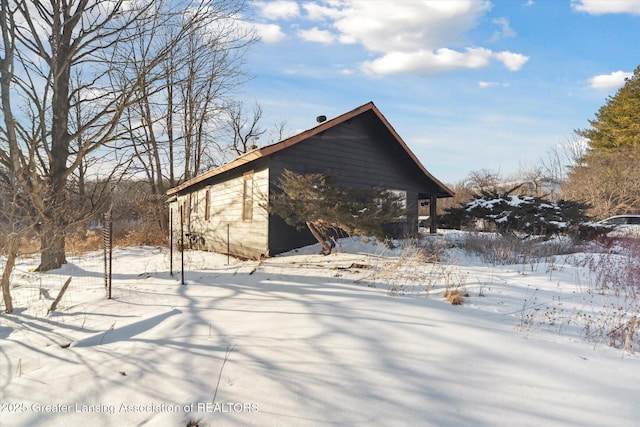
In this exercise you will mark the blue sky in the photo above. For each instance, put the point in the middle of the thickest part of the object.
(469, 85)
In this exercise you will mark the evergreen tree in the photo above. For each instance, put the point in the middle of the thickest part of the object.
(617, 123)
(607, 176)
(314, 201)
(509, 213)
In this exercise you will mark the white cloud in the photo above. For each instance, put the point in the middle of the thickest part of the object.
(387, 26)
(316, 12)
(505, 29)
(410, 36)
(513, 61)
(424, 61)
(492, 84)
(601, 7)
(609, 81)
(317, 35)
(487, 84)
(443, 59)
(280, 9)
(269, 33)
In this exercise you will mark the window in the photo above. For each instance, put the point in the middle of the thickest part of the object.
(247, 196)
(401, 197)
(207, 205)
(397, 197)
(194, 205)
(615, 221)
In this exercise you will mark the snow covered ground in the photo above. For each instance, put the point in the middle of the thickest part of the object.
(362, 337)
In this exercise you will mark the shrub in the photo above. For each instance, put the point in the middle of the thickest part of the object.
(509, 213)
(499, 249)
(315, 201)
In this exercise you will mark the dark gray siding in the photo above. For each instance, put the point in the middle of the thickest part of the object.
(283, 237)
(360, 153)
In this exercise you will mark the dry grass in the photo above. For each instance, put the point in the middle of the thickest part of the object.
(615, 281)
(454, 296)
(504, 250)
(142, 236)
(417, 271)
(610, 311)
(82, 239)
(81, 242)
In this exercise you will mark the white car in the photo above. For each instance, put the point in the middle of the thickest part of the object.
(623, 225)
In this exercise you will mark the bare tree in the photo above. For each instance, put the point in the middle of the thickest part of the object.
(45, 43)
(46, 40)
(532, 179)
(484, 180)
(182, 114)
(9, 159)
(15, 226)
(562, 157)
(175, 121)
(279, 131)
(245, 128)
(608, 181)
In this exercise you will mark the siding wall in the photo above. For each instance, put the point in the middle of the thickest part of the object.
(248, 238)
(358, 153)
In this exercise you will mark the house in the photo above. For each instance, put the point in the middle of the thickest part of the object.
(226, 209)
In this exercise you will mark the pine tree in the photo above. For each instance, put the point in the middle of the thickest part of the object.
(314, 201)
(509, 213)
(617, 123)
(607, 176)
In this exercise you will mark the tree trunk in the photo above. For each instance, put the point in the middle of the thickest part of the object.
(52, 245)
(12, 249)
(52, 250)
(326, 248)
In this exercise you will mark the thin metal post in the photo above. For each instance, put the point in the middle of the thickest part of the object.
(228, 242)
(107, 249)
(104, 253)
(182, 244)
(170, 240)
(110, 252)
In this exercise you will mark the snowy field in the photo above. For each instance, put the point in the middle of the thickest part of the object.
(362, 337)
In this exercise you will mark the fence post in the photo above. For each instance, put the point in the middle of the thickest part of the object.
(171, 241)
(107, 248)
(182, 244)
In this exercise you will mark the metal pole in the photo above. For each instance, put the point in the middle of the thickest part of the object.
(228, 241)
(170, 240)
(182, 244)
(104, 253)
(107, 249)
(110, 251)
